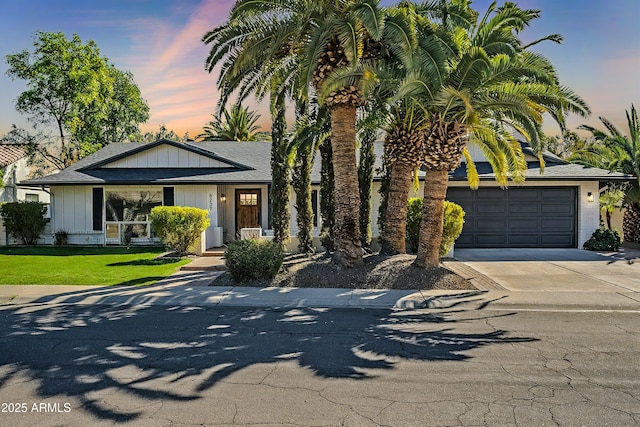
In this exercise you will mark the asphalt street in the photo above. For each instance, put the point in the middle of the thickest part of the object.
(81, 365)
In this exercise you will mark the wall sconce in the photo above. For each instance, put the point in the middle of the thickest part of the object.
(223, 198)
(590, 197)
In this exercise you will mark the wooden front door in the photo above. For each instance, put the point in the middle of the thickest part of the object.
(247, 209)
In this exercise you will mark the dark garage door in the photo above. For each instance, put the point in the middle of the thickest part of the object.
(517, 217)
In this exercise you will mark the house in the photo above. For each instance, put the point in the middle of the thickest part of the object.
(13, 169)
(109, 194)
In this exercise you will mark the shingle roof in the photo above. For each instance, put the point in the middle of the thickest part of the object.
(250, 163)
(10, 153)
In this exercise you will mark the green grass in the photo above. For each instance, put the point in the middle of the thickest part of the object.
(69, 265)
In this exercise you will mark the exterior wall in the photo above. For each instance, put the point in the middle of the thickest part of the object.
(72, 211)
(166, 156)
(227, 217)
(72, 208)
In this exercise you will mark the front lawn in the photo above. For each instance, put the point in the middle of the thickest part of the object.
(69, 265)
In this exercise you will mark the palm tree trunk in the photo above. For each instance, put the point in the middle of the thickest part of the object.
(347, 198)
(435, 192)
(395, 228)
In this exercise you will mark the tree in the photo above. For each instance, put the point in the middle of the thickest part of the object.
(162, 133)
(565, 145)
(493, 85)
(610, 200)
(237, 124)
(74, 90)
(252, 55)
(618, 152)
(323, 44)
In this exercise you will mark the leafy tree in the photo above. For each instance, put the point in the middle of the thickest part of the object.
(610, 201)
(24, 220)
(618, 152)
(73, 89)
(306, 138)
(566, 145)
(161, 133)
(237, 124)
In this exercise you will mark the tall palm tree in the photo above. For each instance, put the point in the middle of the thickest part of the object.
(253, 54)
(328, 39)
(493, 86)
(237, 124)
(621, 153)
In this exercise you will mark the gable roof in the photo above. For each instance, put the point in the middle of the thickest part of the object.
(249, 162)
(10, 153)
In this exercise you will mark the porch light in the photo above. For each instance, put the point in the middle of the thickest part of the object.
(223, 198)
(590, 198)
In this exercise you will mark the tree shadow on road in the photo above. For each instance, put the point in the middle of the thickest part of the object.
(176, 353)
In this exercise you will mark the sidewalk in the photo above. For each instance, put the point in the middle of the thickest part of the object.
(190, 289)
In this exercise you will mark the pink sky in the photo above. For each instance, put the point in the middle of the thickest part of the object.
(159, 41)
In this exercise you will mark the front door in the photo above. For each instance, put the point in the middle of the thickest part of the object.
(247, 209)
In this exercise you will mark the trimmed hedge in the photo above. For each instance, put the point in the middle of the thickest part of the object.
(453, 222)
(253, 259)
(24, 220)
(179, 227)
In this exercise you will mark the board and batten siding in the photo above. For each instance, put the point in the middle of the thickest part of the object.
(166, 156)
(72, 211)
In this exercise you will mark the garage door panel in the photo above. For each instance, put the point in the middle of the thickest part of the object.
(518, 217)
(552, 209)
(491, 225)
(489, 241)
(557, 224)
(558, 241)
(524, 240)
(524, 209)
(530, 225)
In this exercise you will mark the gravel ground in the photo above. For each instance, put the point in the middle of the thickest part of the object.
(376, 272)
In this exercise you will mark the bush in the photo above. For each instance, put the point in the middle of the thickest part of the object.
(249, 260)
(453, 222)
(414, 217)
(24, 220)
(61, 238)
(179, 227)
(603, 240)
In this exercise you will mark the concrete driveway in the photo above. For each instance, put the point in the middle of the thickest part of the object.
(571, 270)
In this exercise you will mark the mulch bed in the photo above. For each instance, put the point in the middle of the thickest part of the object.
(376, 272)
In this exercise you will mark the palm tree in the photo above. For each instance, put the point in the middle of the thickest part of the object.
(621, 153)
(237, 124)
(253, 51)
(327, 40)
(492, 86)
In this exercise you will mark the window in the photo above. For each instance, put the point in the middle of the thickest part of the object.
(29, 197)
(314, 207)
(248, 199)
(131, 206)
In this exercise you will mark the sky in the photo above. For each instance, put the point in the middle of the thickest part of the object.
(159, 41)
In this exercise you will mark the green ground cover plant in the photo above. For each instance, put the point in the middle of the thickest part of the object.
(73, 265)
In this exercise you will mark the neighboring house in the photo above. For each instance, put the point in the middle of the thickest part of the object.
(13, 169)
(112, 191)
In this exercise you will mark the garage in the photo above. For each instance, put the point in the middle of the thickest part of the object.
(529, 217)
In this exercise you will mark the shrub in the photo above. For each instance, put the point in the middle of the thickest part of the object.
(179, 227)
(414, 217)
(603, 240)
(249, 260)
(453, 222)
(61, 238)
(24, 220)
